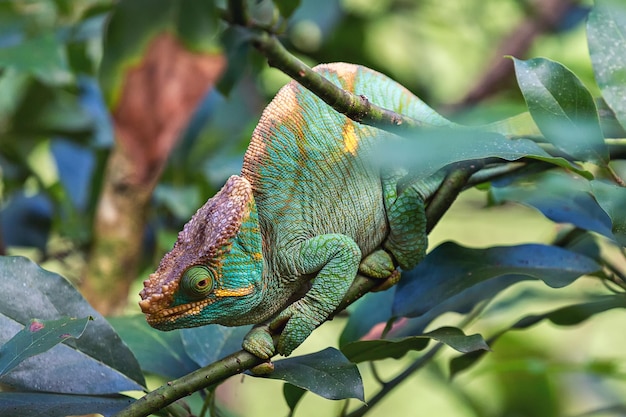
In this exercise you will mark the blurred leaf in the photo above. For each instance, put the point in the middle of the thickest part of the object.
(158, 352)
(430, 150)
(39, 56)
(326, 373)
(206, 344)
(372, 350)
(26, 220)
(236, 43)
(612, 198)
(292, 395)
(451, 269)
(287, 7)
(562, 108)
(97, 363)
(560, 197)
(606, 34)
(363, 318)
(36, 404)
(181, 201)
(197, 24)
(564, 316)
(45, 110)
(39, 337)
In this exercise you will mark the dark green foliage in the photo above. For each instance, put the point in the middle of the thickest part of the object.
(327, 373)
(569, 171)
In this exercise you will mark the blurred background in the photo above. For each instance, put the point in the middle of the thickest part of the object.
(118, 120)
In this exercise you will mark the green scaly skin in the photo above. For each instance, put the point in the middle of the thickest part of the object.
(280, 245)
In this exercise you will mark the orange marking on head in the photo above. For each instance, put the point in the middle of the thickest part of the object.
(237, 292)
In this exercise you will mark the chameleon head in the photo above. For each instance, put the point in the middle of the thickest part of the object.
(213, 273)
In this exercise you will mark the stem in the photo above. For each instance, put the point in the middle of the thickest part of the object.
(448, 191)
(190, 383)
(415, 366)
(388, 386)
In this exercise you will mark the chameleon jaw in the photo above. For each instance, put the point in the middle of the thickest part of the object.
(161, 318)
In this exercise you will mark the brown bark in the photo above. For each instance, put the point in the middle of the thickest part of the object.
(157, 100)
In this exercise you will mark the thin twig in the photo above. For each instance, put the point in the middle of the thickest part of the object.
(358, 108)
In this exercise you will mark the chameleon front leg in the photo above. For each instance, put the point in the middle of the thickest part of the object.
(334, 258)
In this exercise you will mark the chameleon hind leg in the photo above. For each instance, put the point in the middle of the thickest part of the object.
(407, 240)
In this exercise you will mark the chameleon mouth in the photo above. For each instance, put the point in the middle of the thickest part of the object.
(172, 314)
(166, 316)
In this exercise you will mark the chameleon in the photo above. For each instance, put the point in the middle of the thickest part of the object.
(280, 244)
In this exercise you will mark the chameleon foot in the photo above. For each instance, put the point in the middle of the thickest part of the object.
(392, 280)
(259, 342)
(377, 264)
(298, 325)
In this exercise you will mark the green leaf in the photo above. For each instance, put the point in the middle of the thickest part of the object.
(612, 198)
(450, 269)
(236, 43)
(428, 151)
(206, 344)
(287, 7)
(38, 337)
(40, 56)
(565, 316)
(292, 395)
(371, 350)
(35, 404)
(326, 373)
(606, 34)
(97, 363)
(158, 352)
(562, 107)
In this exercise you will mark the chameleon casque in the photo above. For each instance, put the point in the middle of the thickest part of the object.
(281, 243)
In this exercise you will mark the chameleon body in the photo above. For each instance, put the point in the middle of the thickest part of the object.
(282, 242)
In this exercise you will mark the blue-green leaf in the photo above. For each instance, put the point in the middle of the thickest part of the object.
(451, 269)
(562, 107)
(606, 34)
(326, 373)
(37, 404)
(38, 337)
(97, 363)
(612, 198)
(562, 198)
(462, 303)
(207, 344)
(158, 352)
(371, 350)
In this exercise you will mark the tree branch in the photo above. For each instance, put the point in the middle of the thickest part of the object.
(357, 108)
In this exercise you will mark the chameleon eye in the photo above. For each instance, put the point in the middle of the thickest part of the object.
(197, 281)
